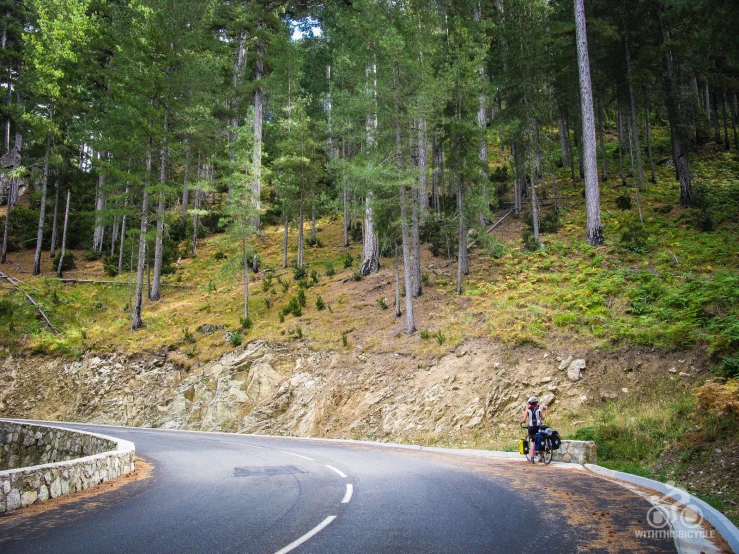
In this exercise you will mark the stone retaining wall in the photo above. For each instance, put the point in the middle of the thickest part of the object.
(39, 462)
(577, 452)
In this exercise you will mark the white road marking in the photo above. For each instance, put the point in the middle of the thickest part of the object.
(298, 455)
(242, 444)
(348, 495)
(337, 471)
(307, 536)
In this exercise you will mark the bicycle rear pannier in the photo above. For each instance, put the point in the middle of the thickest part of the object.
(556, 440)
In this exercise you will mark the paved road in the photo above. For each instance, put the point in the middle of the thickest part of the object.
(246, 494)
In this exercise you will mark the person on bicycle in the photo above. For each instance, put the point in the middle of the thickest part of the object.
(534, 416)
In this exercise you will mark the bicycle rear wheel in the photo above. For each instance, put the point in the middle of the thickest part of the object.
(527, 451)
(547, 452)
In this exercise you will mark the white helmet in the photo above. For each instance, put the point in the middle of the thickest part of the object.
(533, 400)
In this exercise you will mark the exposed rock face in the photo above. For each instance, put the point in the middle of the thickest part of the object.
(274, 388)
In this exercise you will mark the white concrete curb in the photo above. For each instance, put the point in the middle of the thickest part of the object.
(719, 521)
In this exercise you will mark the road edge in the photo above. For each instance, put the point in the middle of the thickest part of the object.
(719, 521)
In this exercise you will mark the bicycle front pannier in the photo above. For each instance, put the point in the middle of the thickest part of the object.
(523, 446)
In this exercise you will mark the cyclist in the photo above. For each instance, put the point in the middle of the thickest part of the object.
(534, 416)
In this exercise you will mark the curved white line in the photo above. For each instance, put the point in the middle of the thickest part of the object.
(298, 455)
(317, 529)
(341, 474)
(349, 492)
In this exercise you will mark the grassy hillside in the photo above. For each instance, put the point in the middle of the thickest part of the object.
(671, 284)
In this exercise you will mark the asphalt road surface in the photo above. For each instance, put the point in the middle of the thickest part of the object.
(213, 492)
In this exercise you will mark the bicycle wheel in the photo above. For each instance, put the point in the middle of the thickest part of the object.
(547, 452)
(527, 452)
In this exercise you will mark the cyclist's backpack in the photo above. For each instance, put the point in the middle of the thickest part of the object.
(556, 440)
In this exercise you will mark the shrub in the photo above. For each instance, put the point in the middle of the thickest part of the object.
(320, 304)
(68, 263)
(425, 335)
(6, 308)
(330, 270)
(623, 202)
(314, 243)
(267, 303)
(356, 275)
(188, 336)
(356, 233)
(110, 264)
(235, 339)
(549, 223)
(220, 255)
(634, 237)
(299, 332)
(314, 277)
(530, 244)
(301, 298)
(383, 303)
(730, 365)
(348, 260)
(299, 272)
(246, 322)
(344, 340)
(703, 208)
(91, 256)
(440, 338)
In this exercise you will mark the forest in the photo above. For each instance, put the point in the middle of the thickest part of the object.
(132, 129)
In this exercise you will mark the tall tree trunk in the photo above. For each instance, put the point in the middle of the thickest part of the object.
(156, 292)
(13, 185)
(436, 172)
(52, 252)
(136, 321)
(258, 118)
(284, 240)
(733, 110)
(185, 189)
(707, 102)
(620, 131)
(301, 210)
(462, 244)
(534, 207)
(726, 129)
(371, 248)
(410, 321)
(679, 146)
(634, 120)
(246, 279)
(601, 115)
(416, 242)
(123, 232)
(9, 84)
(97, 239)
(423, 181)
(64, 239)
(648, 136)
(396, 265)
(594, 231)
(313, 230)
(42, 210)
(715, 118)
(564, 140)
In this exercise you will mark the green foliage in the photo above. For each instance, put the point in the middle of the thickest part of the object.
(530, 244)
(356, 275)
(293, 307)
(220, 255)
(188, 336)
(22, 227)
(440, 338)
(344, 340)
(301, 297)
(245, 322)
(299, 332)
(623, 202)
(382, 302)
(634, 237)
(703, 208)
(235, 339)
(317, 243)
(299, 272)
(330, 270)
(356, 233)
(69, 262)
(92, 256)
(313, 277)
(6, 308)
(320, 304)
(348, 260)
(425, 335)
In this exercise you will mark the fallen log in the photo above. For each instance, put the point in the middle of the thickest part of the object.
(14, 282)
